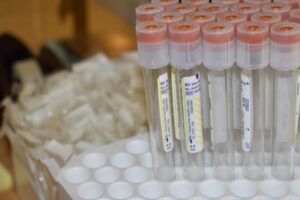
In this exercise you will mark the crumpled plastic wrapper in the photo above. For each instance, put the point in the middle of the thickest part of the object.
(98, 102)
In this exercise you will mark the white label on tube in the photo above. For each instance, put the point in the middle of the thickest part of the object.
(175, 105)
(210, 111)
(165, 111)
(192, 113)
(297, 103)
(246, 110)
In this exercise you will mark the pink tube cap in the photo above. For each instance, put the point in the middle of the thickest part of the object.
(168, 17)
(184, 32)
(295, 16)
(227, 2)
(218, 32)
(146, 12)
(266, 18)
(260, 3)
(183, 8)
(165, 3)
(201, 17)
(235, 18)
(286, 33)
(278, 8)
(196, 3)
(215, 8)
(252, 32)
(293, 3)
(151, 32)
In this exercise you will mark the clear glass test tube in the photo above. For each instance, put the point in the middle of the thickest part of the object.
(285, 61)
(278, 8)
(202, 18)
(154, 58)
(218, 58)
(252, 59)
(269, 19)
(170, 17)
(246, 8)
(235, 18)
(185, 56)
(146, 12)
(196, 3)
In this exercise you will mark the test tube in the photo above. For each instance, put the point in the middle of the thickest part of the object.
(252, 59)
(218, 58)
(146, 12)
(260, 3)
(278, 8)
(235, 18)
(202, 18)
(295, 16)
(285, 61)
(154, 58)
(214, 8)
(185, 56)
(293, 3)
(183, 8)
(170, 17)
(196, 3)
(246, 8)
(269, 19)
(165, 3)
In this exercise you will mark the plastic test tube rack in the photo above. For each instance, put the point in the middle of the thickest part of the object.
(122, 170)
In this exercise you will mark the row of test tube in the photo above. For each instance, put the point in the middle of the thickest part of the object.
(215, 76)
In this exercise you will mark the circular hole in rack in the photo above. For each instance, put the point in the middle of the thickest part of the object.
(77, 175)
(243, 188)
(107, 175)
(94, 160)
(122, 160)
(146, 160)
(295, 186)
(151, 190)
(261, 198)
(136, 175)
(274, 188)
(182, 189)
(212, 189)
(230, 198)
(137, 147)
(120, 190)
(90, 190)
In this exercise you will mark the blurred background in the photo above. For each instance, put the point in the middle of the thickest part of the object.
(56, 34)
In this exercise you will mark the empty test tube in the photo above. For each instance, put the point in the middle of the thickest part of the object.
(154, 58)
(293, 3)
(260, 3)
(218, 58)
(202, 18)
(285, 61)
(252, 59)
(246, 8)
(235, 18)
(196, 3)
(146, 12)
(185, 56)
(183, 8)
(278, 8)
(214, 8)
(165, 3)
(170, 17)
